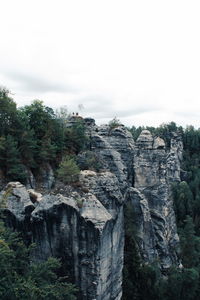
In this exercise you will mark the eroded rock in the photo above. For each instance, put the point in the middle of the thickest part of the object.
(155, 169)
(85, 225)
(85, 231)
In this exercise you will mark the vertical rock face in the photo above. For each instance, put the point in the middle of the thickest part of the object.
(145, 171)
(85, 230)
(155, 168)
(116, 147)
(46, 177)
(85, 227)
(174, 158)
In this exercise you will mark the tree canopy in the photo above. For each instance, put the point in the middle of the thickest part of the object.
(34, 135)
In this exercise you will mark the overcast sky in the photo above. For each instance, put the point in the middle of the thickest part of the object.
(138, 60)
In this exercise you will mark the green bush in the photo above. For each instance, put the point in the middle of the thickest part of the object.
(114, 123)
(89, 160)
(68, 170)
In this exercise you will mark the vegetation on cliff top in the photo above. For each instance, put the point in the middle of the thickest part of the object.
(35, 135)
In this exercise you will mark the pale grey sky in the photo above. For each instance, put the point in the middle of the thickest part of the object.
(136, 60)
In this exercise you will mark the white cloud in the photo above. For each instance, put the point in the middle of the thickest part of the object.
(137, 60)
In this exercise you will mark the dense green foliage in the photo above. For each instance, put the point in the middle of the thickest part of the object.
(68, 170)
(35, 135)
(146, 282)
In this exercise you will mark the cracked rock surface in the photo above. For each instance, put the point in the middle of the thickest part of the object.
(85, 226)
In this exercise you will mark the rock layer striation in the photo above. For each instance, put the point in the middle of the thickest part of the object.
(84, 226)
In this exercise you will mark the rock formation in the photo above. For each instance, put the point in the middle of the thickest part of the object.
(84, 229)
(154, 170)
(84, 225)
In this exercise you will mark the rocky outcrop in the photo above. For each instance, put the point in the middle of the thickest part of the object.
(174, 158)
(145, 171)
(45, 178)
(84, 229)
(84, 225)
(116, 148)
(154, 170)
(145, 140)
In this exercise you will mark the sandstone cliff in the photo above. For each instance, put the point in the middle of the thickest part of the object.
(155, 168)
(84, 225)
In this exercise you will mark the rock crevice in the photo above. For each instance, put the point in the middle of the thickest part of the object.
(86, 229)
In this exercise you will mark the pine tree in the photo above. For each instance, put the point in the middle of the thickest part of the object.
(8, 113)
(12, 162)
(190, 245)
(68, 170)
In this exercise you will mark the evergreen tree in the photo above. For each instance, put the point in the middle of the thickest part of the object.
(190, 245)
(26, 140)
(68, 170)
(47, 150)
(183, 200)
(190, 284)
(8, 113)
(28, 148)
(75, 138)
(10, 160)
(41, 118)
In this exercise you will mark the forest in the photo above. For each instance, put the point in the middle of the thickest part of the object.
(35, 135)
